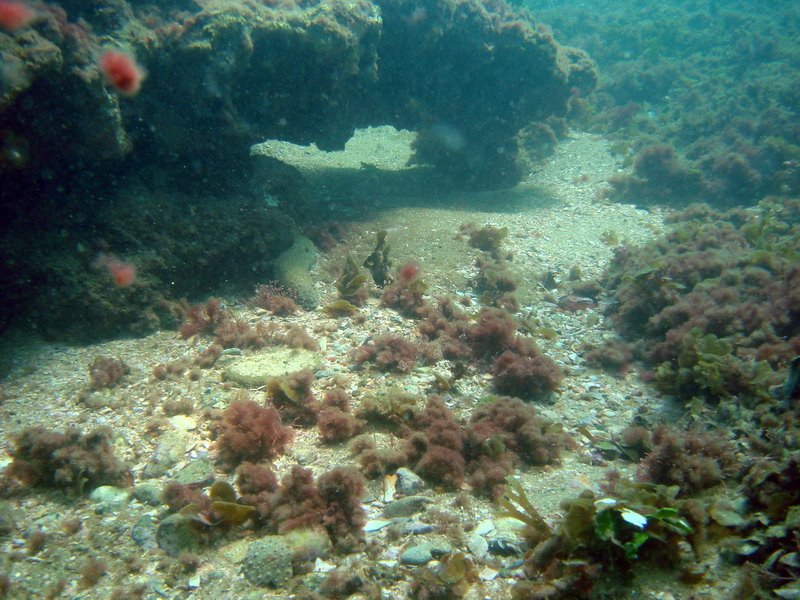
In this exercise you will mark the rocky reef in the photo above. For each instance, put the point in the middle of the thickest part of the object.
(219, 76)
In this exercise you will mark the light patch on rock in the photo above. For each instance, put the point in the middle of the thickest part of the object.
(258, 369)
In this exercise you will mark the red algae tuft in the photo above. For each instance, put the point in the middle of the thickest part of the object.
(14, 15)
(122, 72)
(123, 273)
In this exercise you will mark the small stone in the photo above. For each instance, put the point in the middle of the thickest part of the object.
(376, 525)
(320, 566)
(478, 545)
(389, 487)
(420, 553)
(268, 562)
(172, 447)
(183, 422)
(416, 554)
(408, 482)
(148, 493)
(143, 532)
(258, 369)
(440, 546)
(177, 534)
(196, 472)
(292, 270)
(484, 527)
(194, 582)
(307, 544)
(416, 528)
(153, 471)
(405, 507)
(109, 495)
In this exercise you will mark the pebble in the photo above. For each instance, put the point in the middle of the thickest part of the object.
(107, 498)
(148, 493)
(421, 553)
(258, 369)
(405, 507)
(183, 423)
(484, 527)
(416, 554)
(108, 494)
(408, 482)
(376, 524)
(143, 532)
(389, 488)
(177, 534)
(416, 528)
(171, 448)
(196, 472)
(478, 545)
(320, 566)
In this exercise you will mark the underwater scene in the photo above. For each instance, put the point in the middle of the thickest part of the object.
(387, 299)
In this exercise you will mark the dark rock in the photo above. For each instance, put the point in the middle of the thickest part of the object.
(177, 534)
(405, 507)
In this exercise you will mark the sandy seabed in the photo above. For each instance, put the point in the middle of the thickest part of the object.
(555, 222)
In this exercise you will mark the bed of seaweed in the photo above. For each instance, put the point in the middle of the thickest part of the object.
(705, 90)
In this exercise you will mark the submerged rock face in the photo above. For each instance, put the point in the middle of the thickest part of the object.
(219, 77)
(468, 74)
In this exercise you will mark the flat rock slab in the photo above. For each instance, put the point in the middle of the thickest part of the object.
(381, 147)
(258, 369)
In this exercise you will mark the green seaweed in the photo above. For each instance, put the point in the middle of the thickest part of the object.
(707, 368)
(340, 308)
(389, 408)
(351, 281)
(630, 529)
(515, 504)
(225, 511)
(449, 580)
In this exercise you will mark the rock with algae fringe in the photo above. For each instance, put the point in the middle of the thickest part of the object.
(293, 267)
(259, 369)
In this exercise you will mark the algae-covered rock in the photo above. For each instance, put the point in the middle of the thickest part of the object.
(172, 447)
(177, 534)
(293, 270)
(259, 369)
(240, 73)
(196, 472)
(268, 562)
(308, 544)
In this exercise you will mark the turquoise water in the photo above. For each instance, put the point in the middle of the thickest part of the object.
(535, 254)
